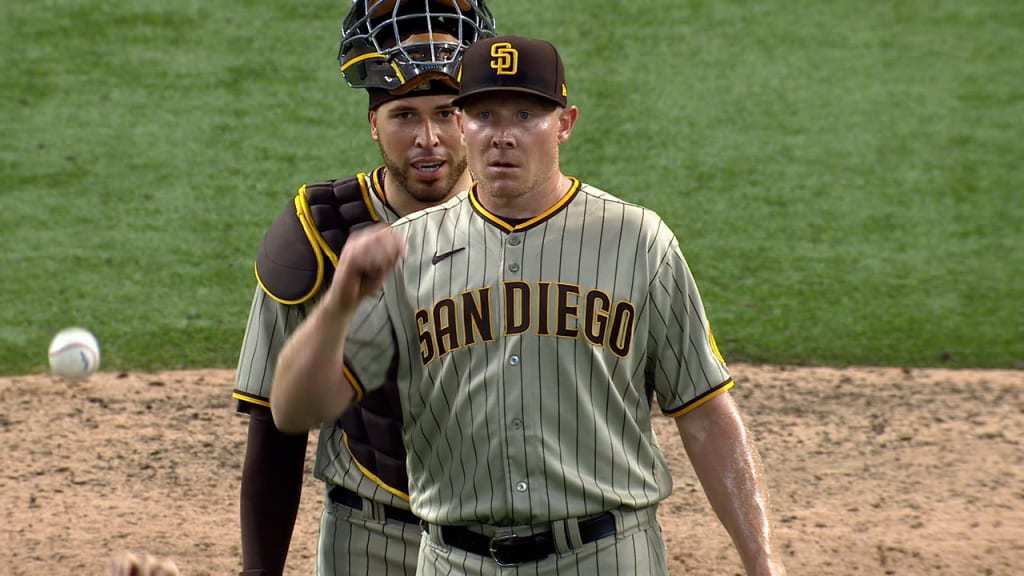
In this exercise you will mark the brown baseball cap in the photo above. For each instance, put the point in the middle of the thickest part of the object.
(512, 64)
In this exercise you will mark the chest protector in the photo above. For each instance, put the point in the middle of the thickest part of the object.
(297, 256)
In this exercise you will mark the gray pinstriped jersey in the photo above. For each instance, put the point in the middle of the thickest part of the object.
(528, 356)
(269, 326)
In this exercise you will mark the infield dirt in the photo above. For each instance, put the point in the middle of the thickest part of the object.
(872, 471)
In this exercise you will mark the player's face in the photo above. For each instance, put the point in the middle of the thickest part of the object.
(512, 141)
(421, 146)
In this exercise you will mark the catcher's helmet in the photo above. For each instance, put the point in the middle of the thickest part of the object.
(389, 43)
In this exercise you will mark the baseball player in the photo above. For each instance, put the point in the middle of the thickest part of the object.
(406, 55)
(530, 325)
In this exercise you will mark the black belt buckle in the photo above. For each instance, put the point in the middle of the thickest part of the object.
(494, 549)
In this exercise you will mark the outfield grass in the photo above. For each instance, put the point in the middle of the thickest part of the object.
(845, 177)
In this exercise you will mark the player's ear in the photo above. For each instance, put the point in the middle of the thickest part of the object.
(458, 121)
(373, 126)
(566, 122)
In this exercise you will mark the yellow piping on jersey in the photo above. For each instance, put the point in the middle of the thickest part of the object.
(354, 382)
(703, 400)
(250, 399)
(497, 220)
(714, 345)
(366, 472)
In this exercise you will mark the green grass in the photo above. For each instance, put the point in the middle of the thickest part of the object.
(845, 178)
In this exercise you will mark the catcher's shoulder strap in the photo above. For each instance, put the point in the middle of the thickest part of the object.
(301, 247)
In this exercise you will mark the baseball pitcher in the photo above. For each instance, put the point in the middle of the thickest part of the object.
(530, 325)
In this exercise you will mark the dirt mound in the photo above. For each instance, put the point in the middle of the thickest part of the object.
(872, 471)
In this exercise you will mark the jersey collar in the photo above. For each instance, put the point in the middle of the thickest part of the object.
(508, 227)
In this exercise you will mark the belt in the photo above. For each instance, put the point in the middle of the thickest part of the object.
(510, 549)
(342, 495)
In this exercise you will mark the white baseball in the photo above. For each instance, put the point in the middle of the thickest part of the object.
(74, 353)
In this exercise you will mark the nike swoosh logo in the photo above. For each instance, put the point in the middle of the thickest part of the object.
(438, 257)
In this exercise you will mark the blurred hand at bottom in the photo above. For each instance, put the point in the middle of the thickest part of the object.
(128, 564)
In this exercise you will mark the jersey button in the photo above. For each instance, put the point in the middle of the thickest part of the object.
(521, 486)
(513, 360)
(517, 424)
(514, 240)
(513, 267)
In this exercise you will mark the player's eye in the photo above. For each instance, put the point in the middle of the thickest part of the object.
(486, 115)
(524, 115)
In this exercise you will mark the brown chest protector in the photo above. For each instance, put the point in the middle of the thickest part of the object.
(297, 256)
(301, 248)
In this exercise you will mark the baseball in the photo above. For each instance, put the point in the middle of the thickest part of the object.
(74, 353)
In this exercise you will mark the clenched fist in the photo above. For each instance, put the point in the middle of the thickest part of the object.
(365, 262)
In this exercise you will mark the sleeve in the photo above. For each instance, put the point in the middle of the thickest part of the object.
(269, 325)
(684, 364)
(369, 346)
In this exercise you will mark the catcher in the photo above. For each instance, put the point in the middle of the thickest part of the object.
(406, 55)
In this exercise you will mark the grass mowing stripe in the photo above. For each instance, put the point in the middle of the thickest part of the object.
(845, 177)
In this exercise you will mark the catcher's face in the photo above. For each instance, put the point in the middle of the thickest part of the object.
(422, 148)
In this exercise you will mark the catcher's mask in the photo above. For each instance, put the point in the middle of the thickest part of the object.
(389, 43)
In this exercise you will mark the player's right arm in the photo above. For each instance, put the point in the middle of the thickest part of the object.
(272, 470)
(310, 386)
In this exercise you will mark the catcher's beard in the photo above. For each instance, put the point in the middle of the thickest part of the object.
(429, 192)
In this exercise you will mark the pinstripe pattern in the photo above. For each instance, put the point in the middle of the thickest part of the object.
(527, 354)
(269, 325)
(353, 542)
(359, 545)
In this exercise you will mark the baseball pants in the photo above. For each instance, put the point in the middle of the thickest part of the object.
(636, 547)
(365, 542)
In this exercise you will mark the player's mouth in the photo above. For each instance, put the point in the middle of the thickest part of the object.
(502, 165)
(428, 166)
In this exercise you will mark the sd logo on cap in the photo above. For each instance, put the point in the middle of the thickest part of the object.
(512, 64)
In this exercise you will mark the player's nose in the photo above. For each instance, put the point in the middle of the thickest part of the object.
(428, 136)
(502, 140)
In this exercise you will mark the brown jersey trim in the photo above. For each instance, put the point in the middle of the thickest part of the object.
(702, 399)
(501, 223)
(369, 474)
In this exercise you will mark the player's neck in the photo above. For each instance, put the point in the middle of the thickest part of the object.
(519, 205)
